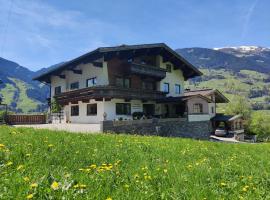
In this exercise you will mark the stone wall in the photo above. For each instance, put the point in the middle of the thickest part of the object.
(178, 127)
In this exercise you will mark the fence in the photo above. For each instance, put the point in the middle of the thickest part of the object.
(26, 119)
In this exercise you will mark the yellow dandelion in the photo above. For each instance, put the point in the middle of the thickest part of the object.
(33, 185)
(50, 145)
(93, 166)
(245, 189)
(109, 198)
(165, 170)
(29, 196)
(55, 185)
(2, 146)
(9, 163)
(26, 179)
(20, 167)
(223, 184)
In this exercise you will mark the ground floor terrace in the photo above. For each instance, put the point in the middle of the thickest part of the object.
(95, 111)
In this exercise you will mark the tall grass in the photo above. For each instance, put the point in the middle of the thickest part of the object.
(42, 164)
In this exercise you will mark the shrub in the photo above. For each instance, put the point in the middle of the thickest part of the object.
(259, 125)
(137, 115)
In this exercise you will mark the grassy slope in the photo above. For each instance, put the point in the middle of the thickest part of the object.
(142, 167)
(24, 102)
(8, 93)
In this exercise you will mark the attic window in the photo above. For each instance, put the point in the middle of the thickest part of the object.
(169, 67)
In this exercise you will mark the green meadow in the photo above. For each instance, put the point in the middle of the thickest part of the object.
(42, 164)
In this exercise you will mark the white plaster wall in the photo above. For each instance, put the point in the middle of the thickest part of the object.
(55, 82)
(210, 105)
(173, 77)
(196, 118)
(83, 118)
(88, 71)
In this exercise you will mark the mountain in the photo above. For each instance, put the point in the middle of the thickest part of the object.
(19, 91)
(236, 71)
(230, 58)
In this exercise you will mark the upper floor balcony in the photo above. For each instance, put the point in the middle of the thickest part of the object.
(107, 92)
(147, 70)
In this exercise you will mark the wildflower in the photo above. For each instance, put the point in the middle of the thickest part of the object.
(33, 185)
(50, 145)
(223, 184)
(79, 186)
(19, 167)
(29, 196)
(28, 155)
(2, 146)
(26, 179)
(245, 188)
(55, 185)
(93, 166)
(126, 186)
(165, 170)
(9, 163)
(109, 198)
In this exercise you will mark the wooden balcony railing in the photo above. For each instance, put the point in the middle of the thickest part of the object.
(147, 70)
(107, 92)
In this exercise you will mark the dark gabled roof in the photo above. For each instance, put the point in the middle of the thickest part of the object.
(189, 71)
(226, 118)
(220, 98)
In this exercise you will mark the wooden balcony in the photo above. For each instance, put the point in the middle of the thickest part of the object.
(107, 92)
(147, 70)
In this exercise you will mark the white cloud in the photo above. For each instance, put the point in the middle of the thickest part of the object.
(247, 18)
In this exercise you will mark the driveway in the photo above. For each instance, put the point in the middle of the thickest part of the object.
(75, 128)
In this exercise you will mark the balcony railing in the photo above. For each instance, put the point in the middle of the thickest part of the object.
(147, 70)
(108, 92)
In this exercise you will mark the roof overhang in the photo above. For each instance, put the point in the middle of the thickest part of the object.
(126, 51)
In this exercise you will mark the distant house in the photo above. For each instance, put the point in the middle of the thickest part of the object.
(113, 84)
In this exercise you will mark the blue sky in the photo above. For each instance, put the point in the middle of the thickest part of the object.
(38, 34)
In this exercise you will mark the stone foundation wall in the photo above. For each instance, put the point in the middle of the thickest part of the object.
(178, 127)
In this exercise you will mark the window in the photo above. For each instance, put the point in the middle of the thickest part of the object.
(74, 85)
(213, 109)
(91, 109)
(166, 87)
(57, 90)
(91, 82)
(148, 85)
(198, 108)
(74, 110)
(169, 67)
(123, 82)
(123, 109)
(177, 89)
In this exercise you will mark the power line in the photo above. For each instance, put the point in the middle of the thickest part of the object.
(6, 28)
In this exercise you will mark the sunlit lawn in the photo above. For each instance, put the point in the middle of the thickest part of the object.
(41, 164)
